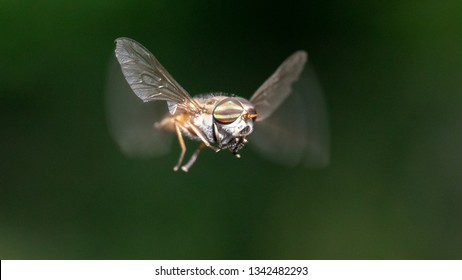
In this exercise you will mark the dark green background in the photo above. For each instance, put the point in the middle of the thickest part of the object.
(392, 76)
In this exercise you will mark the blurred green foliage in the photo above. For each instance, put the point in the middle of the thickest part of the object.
(392, 76)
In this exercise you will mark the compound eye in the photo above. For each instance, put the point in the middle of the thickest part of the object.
(227, 111)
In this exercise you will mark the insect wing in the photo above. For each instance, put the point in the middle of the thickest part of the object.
(149, 79)
(297, 132)
(276, 88)
(131, 121)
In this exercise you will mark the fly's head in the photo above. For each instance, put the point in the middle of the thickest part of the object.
(233, 119)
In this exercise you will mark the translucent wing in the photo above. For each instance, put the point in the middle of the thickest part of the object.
(276, 89)
(149, 79)
(297, 132)
(131, 121)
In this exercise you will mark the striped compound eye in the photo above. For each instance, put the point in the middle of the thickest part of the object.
(227, 111)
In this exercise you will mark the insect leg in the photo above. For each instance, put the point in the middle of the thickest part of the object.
(201, 135)
(193, 158)
(182, 145)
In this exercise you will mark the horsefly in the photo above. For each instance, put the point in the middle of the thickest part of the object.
(217, 121)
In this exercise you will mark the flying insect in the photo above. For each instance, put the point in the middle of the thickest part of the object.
(218, 121)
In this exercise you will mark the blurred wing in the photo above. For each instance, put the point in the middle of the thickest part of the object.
(297, 132)
(275, 90)
(148, 78)
(131, 121)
